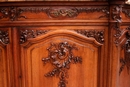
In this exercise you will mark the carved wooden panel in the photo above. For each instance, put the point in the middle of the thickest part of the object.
(62, 58)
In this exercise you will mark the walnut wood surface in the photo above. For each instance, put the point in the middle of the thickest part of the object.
(64, 44)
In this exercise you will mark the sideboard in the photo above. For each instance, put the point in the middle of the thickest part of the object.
(65, 44)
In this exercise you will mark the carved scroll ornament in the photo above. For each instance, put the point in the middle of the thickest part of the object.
(61, 57)
(98, 35)
(26, 34)
(126, 60)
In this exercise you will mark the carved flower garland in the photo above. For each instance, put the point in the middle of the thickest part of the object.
(61, 57)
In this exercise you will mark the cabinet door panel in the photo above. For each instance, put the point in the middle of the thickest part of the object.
(6, 72)
(61, 58)
(123, 53)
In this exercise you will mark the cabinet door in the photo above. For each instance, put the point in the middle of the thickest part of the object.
(62, 56)
(123, 57)
(6, 74)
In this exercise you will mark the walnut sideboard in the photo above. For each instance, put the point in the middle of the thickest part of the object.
(65, 44)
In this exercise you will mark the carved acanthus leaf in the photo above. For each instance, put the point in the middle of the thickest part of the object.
(26, 34)
(61, 57)
(98, 35)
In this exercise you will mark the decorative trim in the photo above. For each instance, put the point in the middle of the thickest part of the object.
(98, 35)
(11, 12)
(91, 10)
(4, 37)
(63, 12)
(126, 60)
(26, 34)
(61, 57)
(74, 11)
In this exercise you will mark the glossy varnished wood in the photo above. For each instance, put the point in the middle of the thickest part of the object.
(57, 43)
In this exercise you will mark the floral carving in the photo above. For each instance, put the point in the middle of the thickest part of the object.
(116, 13)
(71, 12)
(11, 12)
(61, 57)
(26, 34)
(117, 34)
(74, 11)
(126, 60)
(4, 37)
(98, 35)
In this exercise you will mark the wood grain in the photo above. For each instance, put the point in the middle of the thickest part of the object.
(64, 44)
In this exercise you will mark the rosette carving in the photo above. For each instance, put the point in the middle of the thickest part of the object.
(61, 57)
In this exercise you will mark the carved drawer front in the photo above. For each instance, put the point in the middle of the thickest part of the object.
(61, 58)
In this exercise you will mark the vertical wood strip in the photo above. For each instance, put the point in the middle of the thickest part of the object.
(16, 57)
